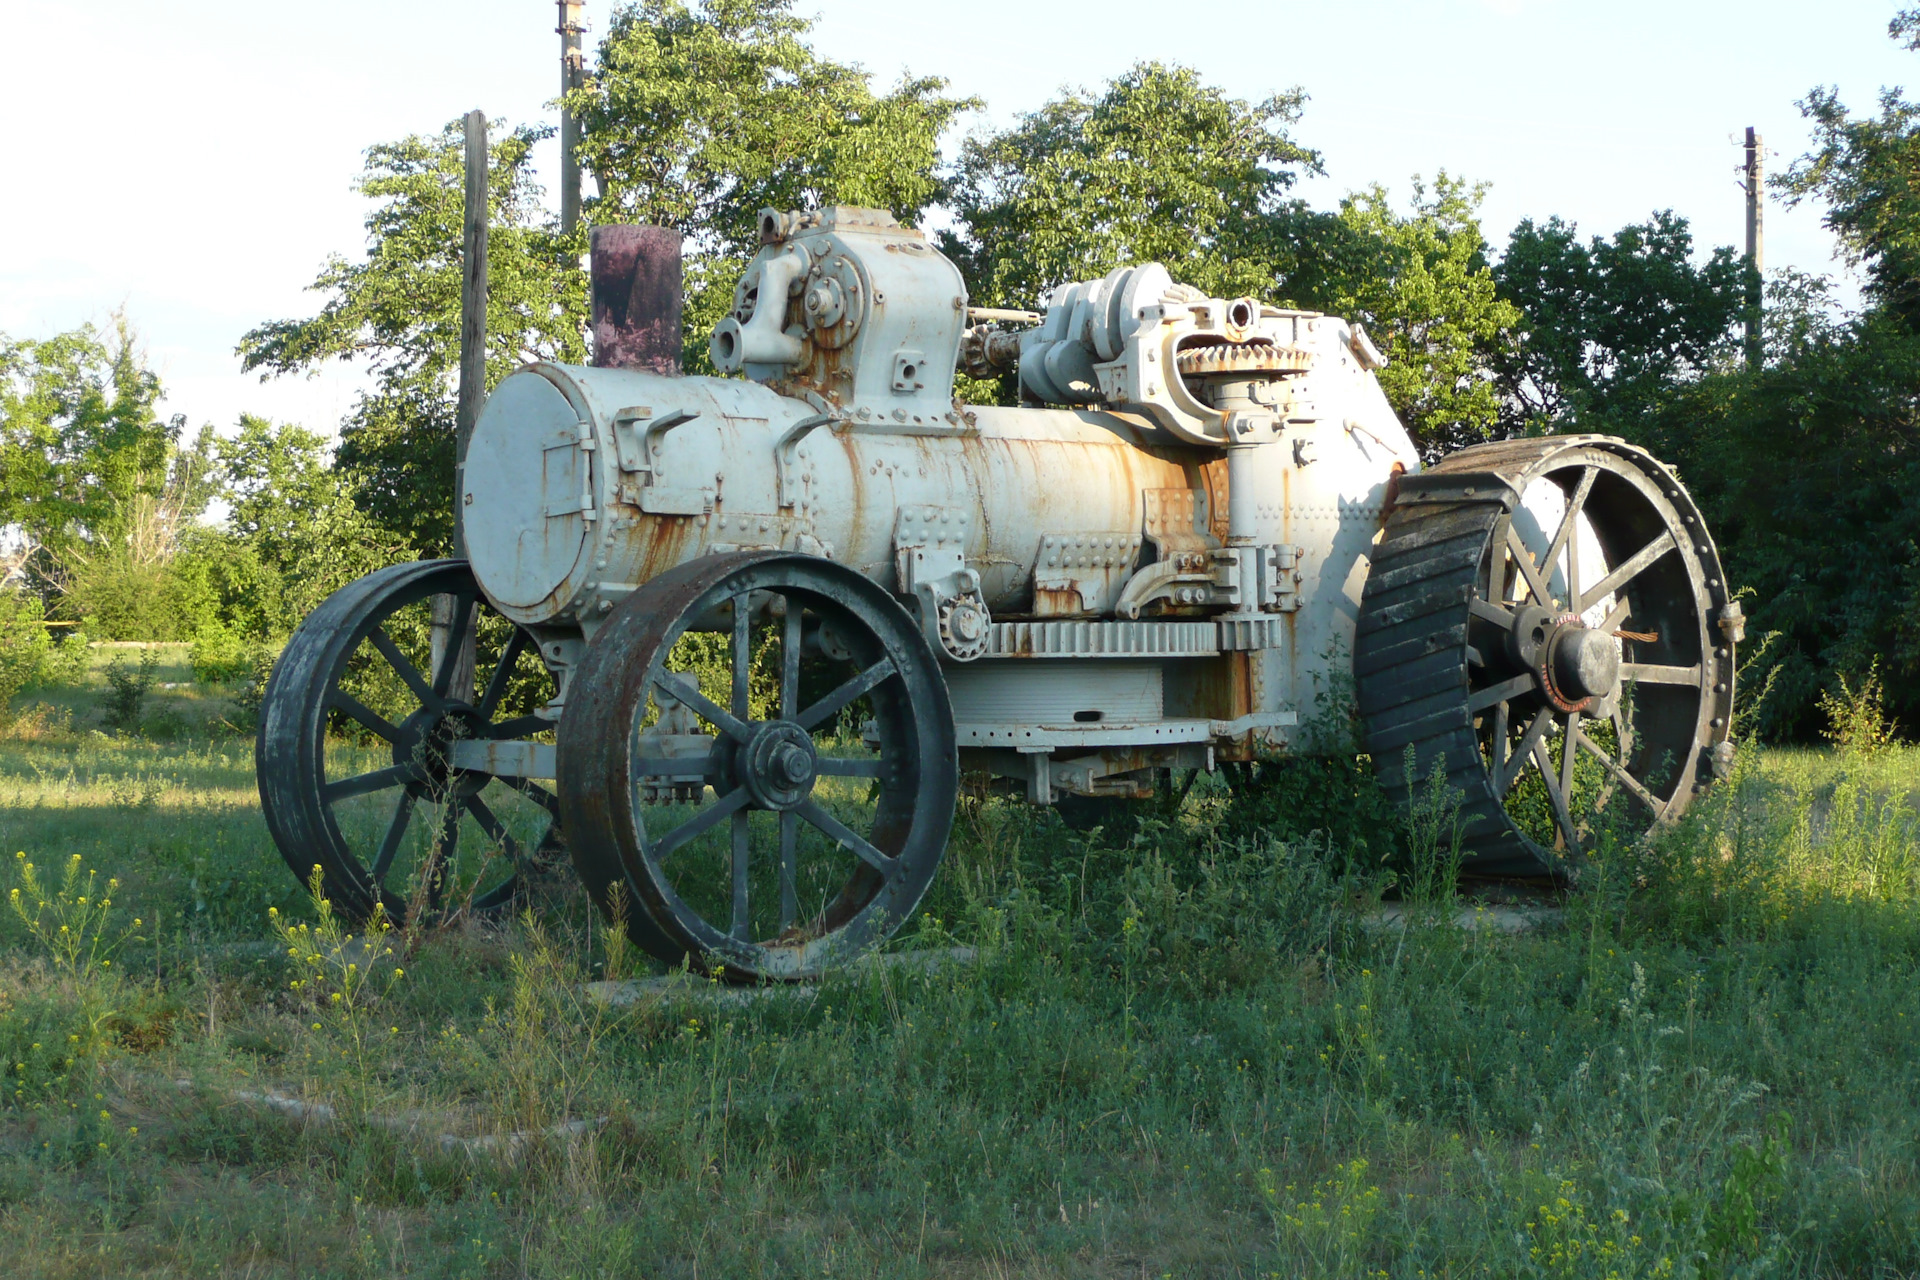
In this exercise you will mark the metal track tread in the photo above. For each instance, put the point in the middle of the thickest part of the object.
(1411, 651)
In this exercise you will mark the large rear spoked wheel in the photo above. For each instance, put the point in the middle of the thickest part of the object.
(738, 807)
(364, 754)
(1548, 622)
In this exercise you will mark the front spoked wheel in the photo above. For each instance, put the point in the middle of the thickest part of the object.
(758, 770)
(375, 754)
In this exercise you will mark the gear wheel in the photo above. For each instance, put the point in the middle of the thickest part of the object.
(1253, 357)
(963, 627)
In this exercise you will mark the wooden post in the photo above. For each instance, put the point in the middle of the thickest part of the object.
(473, 385)
(473, 317)
(1754, 183)
(573, 75)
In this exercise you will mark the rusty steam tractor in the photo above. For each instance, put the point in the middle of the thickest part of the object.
(778, 615)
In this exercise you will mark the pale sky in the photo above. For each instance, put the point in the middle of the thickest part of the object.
(192, 161)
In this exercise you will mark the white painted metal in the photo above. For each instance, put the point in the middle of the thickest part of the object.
(585, 483)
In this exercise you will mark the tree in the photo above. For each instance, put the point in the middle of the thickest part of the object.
(1157, 167)
(78, 438)
(398, 309)
(1863, 171)
(1420, 283)
(1609, 327)
(292, 536)
(696, 118)
(1806, 470)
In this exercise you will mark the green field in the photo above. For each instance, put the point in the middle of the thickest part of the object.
(1191, 1050)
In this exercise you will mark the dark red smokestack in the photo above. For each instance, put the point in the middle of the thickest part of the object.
(636, 298)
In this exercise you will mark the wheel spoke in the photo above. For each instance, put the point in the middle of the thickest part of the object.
(742, 860)
(690, 696)
(444, 851)
(712, 816)
(1562, 814)
(1499, 693)
(370, 719)
(1569, 753)
(1536, 729)
(1564, 534)
(789, 867)
(1615, 616)
(742, 654)
(496, 830)
(406, 670)
(830, 705)
(378, 780)
(1625, 779)
(390, 843)
(1622, 733)
(1625, 572)
(1491, 612)
(1655, 673)
(1500, 730)
(458, 632)
(534, 792)
(790, 660)
(1524, 558)
(502, 672)
(844, 767)
(847, 837)
(518, 727)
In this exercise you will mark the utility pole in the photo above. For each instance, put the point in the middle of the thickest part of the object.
(473, 388)
(573, 75)
(1752, 181)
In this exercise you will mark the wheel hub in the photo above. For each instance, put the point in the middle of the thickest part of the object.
(424, 747)
(777, 765)
(1585, 663)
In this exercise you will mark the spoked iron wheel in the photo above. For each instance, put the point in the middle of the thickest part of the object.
(1550, 619)
(395, 806)
(742, 808)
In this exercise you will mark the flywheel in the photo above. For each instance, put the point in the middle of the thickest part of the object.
(1547, 623)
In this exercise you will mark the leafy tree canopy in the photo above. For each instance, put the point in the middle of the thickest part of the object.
(1607, 326)
(696, 118)
(78, 438)
(1420, 282)
(398, 310)
(1157, 167)
(1863, 169)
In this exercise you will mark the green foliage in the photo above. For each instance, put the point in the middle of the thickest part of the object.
(1157, 167)
(73, 922)
(696, 118)
(1608, 328)
(1861, 169)
(129, 690)
(1856, 716)
(398, 310)
(1805, 469)
(25, 650)
(78, 440)
(1420, 282)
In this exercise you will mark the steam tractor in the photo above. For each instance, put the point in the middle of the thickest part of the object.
(754, 628)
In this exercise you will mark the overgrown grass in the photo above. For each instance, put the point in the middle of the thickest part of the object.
(1190, 1051)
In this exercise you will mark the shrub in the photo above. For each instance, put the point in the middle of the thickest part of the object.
(1857, 719)
(130, 689)
(219, 654)
(24, 647)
